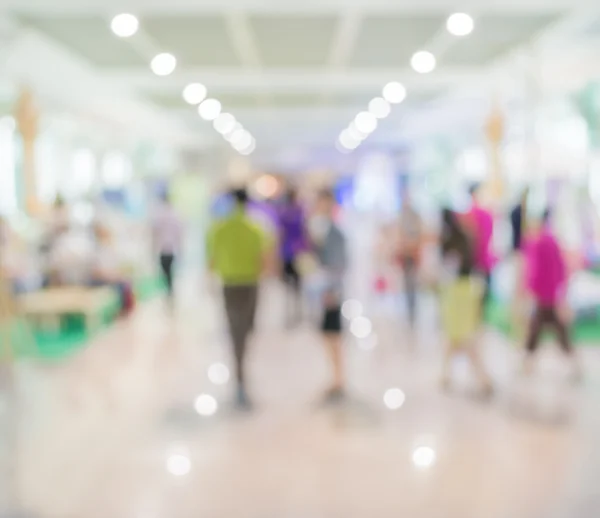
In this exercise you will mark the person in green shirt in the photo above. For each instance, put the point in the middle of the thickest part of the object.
(239, 252)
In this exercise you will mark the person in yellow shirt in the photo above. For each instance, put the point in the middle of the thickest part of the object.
(239, 251)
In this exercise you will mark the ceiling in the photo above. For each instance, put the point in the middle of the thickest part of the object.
(294, 75)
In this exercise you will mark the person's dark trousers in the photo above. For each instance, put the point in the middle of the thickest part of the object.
(487, 291)
(166, 265)
(546, 316)
(240, 307)
(409, 268)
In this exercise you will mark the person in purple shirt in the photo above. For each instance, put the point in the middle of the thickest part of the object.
(547, 280)
(293, 241)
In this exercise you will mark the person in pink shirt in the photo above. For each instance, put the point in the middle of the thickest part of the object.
(480, 221)
(546, 277)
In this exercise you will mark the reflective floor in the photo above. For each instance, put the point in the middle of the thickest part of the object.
(113, 432)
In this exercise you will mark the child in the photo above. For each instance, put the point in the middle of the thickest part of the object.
(547, 281)
(460, 299)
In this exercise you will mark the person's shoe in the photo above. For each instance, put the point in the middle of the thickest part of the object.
(334, 396)
(242, 401)
(487, 390)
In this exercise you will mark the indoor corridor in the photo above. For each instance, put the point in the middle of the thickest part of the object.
(114, 432)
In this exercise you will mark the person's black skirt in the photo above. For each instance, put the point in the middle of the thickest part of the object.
(332, 320)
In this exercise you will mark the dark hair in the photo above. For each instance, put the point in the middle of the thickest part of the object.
(240, 196)
(291, 195)
(474, 188)
(456, 240)
(327, 195)
(546, 216)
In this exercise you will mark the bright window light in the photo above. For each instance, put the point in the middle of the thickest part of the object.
(125, 25)
(394, 92)
(460, 24)
(116, 170)
(210, 109)
(194, 93)
(423, 62)
(365, 122)
(380, 107)
(47, 177)
(163, 64)
(82, 174)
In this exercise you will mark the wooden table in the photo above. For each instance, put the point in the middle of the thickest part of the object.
(53, 303)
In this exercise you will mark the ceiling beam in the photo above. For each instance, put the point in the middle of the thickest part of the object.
(243, 39)
(110, 7)
(344, 40)
(291, 81)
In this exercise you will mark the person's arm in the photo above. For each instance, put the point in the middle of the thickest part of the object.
(269, 254)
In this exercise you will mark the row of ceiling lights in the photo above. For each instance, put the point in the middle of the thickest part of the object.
(423, 62)
(366, 122)
(126, 25)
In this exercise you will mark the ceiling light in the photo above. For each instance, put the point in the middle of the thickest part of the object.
(124, 25)
(347, 141)
(357, 135)
(380, 107)
(194, 93)
(394, 92)
(231, 134)
(365, 122)
(236, 135)
(423, 62)
(209, 109)
(163, 64)
(224, 123)
(460, 24)
(243, 141)
(250, 149)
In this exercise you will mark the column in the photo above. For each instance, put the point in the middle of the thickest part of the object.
(26, 116)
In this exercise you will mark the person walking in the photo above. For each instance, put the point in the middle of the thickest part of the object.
(547, 281)
(239, 251)
(461, 293)
(167, 233)
(410, 240)
(293, 242)
(330, 248)
(480, 222)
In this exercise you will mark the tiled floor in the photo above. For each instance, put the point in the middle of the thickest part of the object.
(95, 432)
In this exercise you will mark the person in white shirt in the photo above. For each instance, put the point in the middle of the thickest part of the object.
(167, 233)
